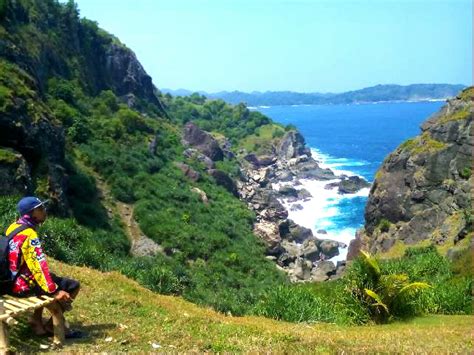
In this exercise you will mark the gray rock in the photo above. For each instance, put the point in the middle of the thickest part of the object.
(14, 173)
(311, 170)
(269, 233)
(329, 248)
(326, 267)
(197, 138)
(352, 184)
(299, 233)
(302, 269)
(296, 207)
(267, 198)
(288, 191)
(322, 271)
(304, 194)
(191, 153)
(252, 158)
(122, 72)
(285, 259)
(224, 180)
(310, 250)
(189, 172)
(292, 145)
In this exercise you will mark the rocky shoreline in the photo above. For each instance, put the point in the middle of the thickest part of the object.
(267, 181)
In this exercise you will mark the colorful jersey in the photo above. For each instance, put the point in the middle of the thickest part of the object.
(27, 261)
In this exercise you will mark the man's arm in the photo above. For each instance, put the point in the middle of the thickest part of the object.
(36, 261)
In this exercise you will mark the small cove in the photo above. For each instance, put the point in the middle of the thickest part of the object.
(353, 140)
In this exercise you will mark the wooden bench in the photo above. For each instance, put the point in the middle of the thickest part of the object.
(11, 307)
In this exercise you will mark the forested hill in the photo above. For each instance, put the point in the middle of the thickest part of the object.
(378, 93)
(81, 123)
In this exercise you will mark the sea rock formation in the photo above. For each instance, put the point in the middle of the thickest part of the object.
(422, 192)
(261, 184)
(264, 184)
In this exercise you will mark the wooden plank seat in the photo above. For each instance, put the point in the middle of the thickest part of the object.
(11, 307)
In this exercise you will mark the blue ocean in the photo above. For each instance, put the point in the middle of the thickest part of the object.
(352, 139)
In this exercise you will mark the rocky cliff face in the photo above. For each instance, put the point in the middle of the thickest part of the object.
(77, 50)
(40, 41)
(126, 76)
(422, 192)
(31, 142)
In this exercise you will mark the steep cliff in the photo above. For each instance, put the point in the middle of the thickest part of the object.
(43, 48)
(422, 192)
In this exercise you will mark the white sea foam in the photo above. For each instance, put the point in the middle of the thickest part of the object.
(318, 211)
(326, 161)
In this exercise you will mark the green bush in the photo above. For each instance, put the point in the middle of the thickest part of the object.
(450, 293)
(159, 273)
(295, 304)
(384, 225)
(466, 172)
(386, 295)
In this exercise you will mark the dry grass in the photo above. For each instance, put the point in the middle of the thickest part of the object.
(120, 315)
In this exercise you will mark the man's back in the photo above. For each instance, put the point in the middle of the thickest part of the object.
(28, 262)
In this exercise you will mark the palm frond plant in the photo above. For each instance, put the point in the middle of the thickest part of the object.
(387, 296)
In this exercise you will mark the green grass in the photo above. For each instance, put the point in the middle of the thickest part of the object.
(263, 139)
(467, 94)
(111, 306)
(384, 225)
(7, 156)
(462, 114)
(422, 144)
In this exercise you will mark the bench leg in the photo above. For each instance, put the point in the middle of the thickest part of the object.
(3, 338)
(58, 322)
(3, 331)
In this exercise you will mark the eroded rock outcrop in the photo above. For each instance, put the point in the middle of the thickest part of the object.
(423, 189)
(202, 141)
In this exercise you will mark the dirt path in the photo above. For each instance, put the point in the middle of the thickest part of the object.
(141, 245)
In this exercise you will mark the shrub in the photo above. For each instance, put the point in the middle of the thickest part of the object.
(466, 172)
(386, 295)
(384, 225)
(450, 292)
(295, 304)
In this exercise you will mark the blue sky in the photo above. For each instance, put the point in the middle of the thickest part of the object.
(298, 45)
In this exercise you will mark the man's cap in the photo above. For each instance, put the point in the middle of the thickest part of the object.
(29, 203)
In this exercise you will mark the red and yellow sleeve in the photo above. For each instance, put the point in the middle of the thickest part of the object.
(35, 259)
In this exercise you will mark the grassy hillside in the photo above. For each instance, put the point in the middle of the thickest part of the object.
(79, 123)
(120, 315)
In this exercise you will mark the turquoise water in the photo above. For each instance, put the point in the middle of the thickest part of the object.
(352, 139)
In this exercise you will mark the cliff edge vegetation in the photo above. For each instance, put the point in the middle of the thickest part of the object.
(422, 192)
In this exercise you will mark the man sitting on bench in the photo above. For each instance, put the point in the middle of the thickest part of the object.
(29, 268)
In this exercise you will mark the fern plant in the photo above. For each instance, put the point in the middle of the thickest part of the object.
(389, 295)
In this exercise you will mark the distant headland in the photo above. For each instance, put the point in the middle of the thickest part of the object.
(378, 93)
